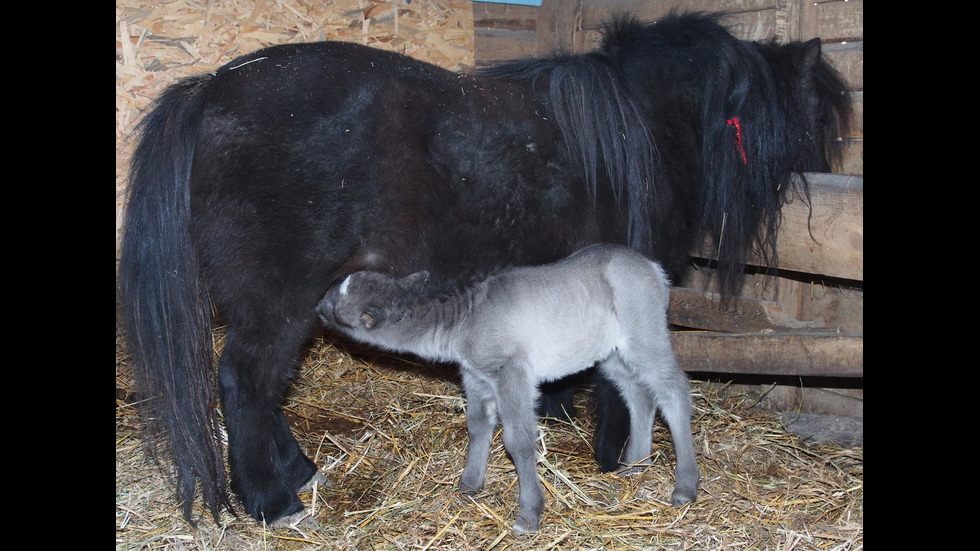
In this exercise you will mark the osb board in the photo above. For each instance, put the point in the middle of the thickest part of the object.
(160, 42)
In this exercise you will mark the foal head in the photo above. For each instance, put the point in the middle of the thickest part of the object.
(368, 300)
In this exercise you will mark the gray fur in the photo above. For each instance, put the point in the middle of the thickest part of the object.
(604, 304)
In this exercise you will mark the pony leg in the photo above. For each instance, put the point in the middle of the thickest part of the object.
(641, 406)
(267, 464)
(516, 395)
(481, 420)
(557, 399)
(612, 424)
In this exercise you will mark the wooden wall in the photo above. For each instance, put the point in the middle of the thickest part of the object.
(809, 319)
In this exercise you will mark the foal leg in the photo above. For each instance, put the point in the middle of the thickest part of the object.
(673, 395)
(267, 464)
(651, 380)
(481, 420)
(516, 395)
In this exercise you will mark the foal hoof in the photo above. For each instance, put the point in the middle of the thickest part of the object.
(627, 471)
(524, 527)
(681, 498)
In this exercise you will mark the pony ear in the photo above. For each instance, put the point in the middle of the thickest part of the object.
(811, 55)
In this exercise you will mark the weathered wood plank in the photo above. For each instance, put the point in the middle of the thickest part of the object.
(831, 241)
(503, 44)
(796, 354)
(807, 299)
(596, 12)
(703, 310)
(504, 16)
(503, 32)
(848, 59)
(837, 429)
(834, 21)
(558, 21)
(856, 131)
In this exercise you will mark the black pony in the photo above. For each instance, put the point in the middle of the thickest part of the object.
(256, 187)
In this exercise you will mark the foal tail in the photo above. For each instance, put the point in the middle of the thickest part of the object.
(165, 304)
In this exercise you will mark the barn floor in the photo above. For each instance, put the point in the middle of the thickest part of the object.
(390, 436)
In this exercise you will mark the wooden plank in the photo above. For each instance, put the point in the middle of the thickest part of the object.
(857, 122)
(848, 59)
(789, 21)
(697, 309)
(834, 21)
(853, 161)
(493, 45)
(595, 12)
(796, 354)
(558, 21)
(790, 300)
(825, 401)
(831, 241)
(503, 32)
(837, 429)
(504, 16)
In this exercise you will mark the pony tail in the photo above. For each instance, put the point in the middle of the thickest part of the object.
(165, 306)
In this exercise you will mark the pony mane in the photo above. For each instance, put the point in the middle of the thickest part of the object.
(754, 104)
(601, 125)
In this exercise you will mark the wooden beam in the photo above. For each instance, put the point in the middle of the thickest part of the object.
(831, 242)
(796, 353)
(697, 309)
(557, 24)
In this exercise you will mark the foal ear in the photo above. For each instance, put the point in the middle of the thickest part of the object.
(368, 320)
(418, 278)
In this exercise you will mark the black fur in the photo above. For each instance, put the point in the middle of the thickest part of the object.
(256, 187)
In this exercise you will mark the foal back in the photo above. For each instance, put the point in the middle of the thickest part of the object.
(564, 317)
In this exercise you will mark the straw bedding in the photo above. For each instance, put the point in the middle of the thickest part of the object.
(390, 436)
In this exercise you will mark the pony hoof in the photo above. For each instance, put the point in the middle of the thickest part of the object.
(302, 519)
(319, 478)
(468, 490)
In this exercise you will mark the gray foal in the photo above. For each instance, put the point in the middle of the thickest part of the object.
(604, 304)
